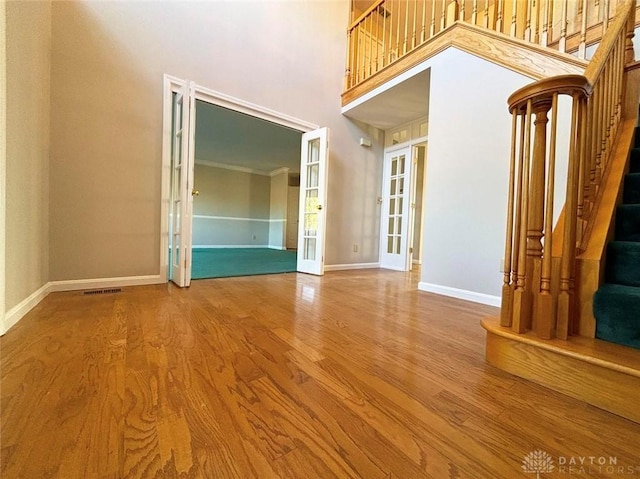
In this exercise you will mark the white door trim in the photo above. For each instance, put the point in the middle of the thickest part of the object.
(173, 84)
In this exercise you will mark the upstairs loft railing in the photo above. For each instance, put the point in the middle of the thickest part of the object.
(390, 29)
(540, 276)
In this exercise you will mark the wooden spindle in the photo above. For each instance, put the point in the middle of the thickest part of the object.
(583, 161)
(486, 13)
(514, 19)
(527, 27)
(522, 293)
(432, 30)
(369, 45)
(507, 290)
(398, 34)
(544, 38)
(406, 27)
(423, 36)
(605, 17)
(390, 41)
(500, 19)
(462, 10)
(474, 12)
(565, 300)
(545, 316)
(415, 28)
(377, 39)
(536, 192)
(383, 56)
(582, 48)
(562, 44)
(349, 69)
(443, 18)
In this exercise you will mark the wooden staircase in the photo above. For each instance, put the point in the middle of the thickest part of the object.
(546, 329)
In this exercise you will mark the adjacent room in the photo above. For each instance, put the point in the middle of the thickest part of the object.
(246, 195)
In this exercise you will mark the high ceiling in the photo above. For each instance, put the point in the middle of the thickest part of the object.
(232, 138)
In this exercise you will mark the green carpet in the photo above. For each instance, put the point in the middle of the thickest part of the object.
(616, 304)
(225, 262)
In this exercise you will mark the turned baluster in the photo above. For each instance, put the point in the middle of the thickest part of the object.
(544, 38)
(432, 30)
(545, 314)
(507, 289)
(423, 35)
(582, 49)
(522, 293)
(474, 12)
(406, 27)
(514, 19)
(567, 263)
(443, 19)
(499, 19)
(562, 44)
(527, 28)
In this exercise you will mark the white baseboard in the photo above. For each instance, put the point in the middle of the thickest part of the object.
(280, 248)
(16, 313)
(342, 267)
(97, 283)
(20, 310)
(460, 294)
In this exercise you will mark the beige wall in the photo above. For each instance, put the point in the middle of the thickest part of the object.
(3, 157)
(225, 193)
(28, 44)
(278, 209)
(108, 62)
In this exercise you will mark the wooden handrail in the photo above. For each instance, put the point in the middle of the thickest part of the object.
(608, 42)
(541, 278)
(561, 84)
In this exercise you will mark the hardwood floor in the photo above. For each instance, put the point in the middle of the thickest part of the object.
(353, 375)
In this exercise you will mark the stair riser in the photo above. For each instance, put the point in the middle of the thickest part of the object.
(631, 193)
(628, 223)
(634, 162)
(623, 265)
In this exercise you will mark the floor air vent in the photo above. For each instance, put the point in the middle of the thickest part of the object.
(104, 291)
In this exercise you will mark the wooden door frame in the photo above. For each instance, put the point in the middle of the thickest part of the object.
(173, 84)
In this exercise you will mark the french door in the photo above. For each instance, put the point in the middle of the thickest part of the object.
(313, 194)
(182, 158)
(396, 210)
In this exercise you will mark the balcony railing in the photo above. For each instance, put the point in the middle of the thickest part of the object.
(391, 29)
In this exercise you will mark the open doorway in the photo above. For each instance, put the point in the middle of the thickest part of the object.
(181, 100)
(243, 204)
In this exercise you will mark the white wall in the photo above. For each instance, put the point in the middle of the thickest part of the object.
(108, 61)
(467, 172)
